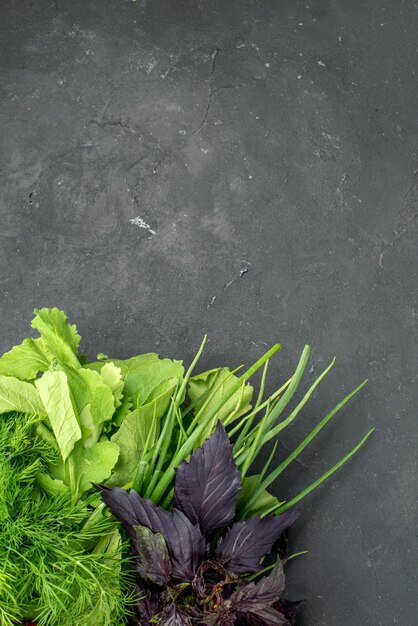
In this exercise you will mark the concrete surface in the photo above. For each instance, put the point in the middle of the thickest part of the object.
(246, 169)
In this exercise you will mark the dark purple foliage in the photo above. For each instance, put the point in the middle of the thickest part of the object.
(150, 601)
(266, 591)
(184, 540)
(184, 577)
(154, 564)
(172, 615)
(206, 488)
(246, 542)
(255, 600)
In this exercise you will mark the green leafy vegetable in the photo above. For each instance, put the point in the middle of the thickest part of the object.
(24, 361)
(215, 384)
(16, 395)
(55, 395)
(143, 373)
(261, 504)
(45, 574)
(129, 438)
(112, 377)
(93, 464)
(126, 423)
(59, 338)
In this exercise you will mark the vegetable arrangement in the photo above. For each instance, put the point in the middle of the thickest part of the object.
(190, 568)
(172, 452)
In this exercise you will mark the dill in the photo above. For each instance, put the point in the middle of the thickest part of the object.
(46, 573)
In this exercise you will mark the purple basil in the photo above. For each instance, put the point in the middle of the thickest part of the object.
(206, 488)
(154, 564)
(190, 561)
(174, 616)
(184, 540)
(246, 542)
(265, 592)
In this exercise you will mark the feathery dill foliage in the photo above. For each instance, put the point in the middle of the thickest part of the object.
(45, 572)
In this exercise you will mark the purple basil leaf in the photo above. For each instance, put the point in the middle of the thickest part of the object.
(258, 595)
(173, 616)
(207, 572)
(121, 505)
(132, 510)
(186, 546)
(206, 487)
(289, 609)
(246, 542)
(185, 542)
(251, 604)
(153, 562)
(149, 602)
(223, 617)
(266, 616)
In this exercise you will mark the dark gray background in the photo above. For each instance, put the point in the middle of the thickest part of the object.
(278, 137)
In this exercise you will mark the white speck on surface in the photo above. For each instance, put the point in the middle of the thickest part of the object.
(138, 221)
(204, 150)
(150, 66)
(299, 76)
(267, 64)
(321, 63)
(250, 177)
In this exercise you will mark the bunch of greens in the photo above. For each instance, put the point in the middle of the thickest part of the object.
(45, 571)
(192, 564)
(129, 424)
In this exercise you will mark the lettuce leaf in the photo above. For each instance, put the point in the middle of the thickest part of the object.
(16, 395)
(112, 377)
(143, 374)
(93, 400)
(92, 465)
(214, 384)
(25, 360)
(129, 439)
(59, 338)
(55, 395)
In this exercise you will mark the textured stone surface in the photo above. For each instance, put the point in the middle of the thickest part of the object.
(246, 169)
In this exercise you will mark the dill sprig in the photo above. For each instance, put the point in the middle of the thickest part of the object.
(46, 573)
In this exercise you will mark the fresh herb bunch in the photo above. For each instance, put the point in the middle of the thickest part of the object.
(45, 573)
(193, 562)
(129, 424)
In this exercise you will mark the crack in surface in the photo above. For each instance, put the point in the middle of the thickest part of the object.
(211, 92)
(241, 273)
(113, 123)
